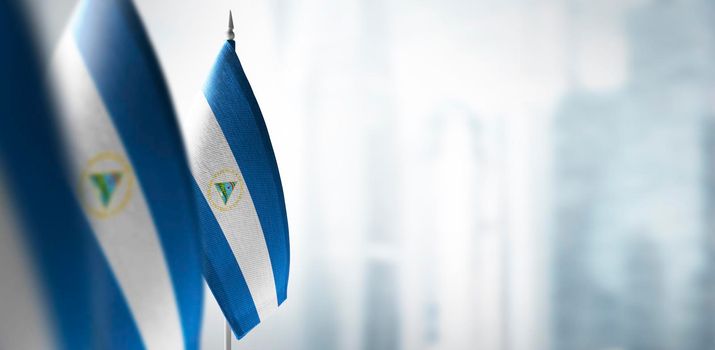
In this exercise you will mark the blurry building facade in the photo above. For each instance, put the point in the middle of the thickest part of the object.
(632, 242)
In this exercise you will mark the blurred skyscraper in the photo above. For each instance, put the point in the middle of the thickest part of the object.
(382, 315)
(630, 215)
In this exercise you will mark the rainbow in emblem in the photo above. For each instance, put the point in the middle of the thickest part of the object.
(106, 184)
(225, 189)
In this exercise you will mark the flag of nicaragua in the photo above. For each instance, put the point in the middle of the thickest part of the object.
(239, 197)
(130, 174)
(46, 251)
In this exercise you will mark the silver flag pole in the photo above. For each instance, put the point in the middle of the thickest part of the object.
(227, 336)
(227, 328)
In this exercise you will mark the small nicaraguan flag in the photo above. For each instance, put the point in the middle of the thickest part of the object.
(239, 197)
(128, 166)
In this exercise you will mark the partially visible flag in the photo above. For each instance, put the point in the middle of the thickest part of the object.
(127, 164)
(55, 284)
(240, 197)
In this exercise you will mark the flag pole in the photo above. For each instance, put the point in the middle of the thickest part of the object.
(227, 336)
(230, 34)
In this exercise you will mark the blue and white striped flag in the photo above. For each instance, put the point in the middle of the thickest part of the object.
(58, 290)
(45, 253)
(240, 198)
(126, 159)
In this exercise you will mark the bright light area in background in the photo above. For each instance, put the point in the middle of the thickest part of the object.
(473, 174)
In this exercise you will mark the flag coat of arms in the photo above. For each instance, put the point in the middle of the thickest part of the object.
(129, 172)
(239, 197)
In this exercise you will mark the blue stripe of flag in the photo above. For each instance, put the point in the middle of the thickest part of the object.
(250, 98)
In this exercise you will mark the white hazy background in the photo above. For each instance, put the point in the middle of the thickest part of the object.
(473, 174)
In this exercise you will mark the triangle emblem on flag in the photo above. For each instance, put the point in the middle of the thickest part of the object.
(106, 183)
(225, 189)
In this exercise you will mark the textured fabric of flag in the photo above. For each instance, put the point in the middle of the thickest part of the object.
(239, 197)
(57, 290)
(129, 172)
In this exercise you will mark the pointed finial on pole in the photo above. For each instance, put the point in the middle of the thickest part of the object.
(230, 32)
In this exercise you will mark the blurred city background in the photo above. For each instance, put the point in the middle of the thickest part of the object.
(482, 174)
